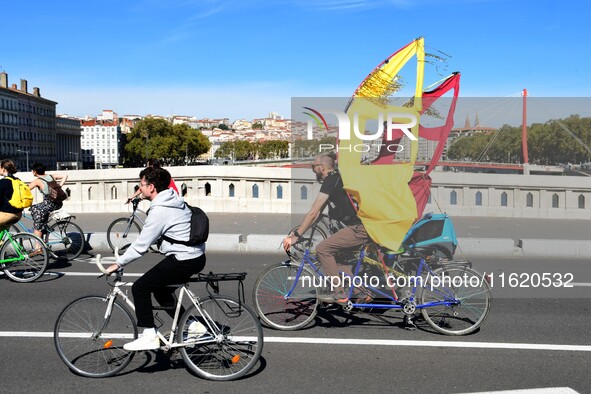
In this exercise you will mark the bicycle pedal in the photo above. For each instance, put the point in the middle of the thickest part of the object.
(409, 325)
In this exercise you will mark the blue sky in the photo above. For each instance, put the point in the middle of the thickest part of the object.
(243, 59)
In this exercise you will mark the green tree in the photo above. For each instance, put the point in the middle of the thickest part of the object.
(236, 150)
(550, 143)
(226, 150)
(257, 126)
(310, 148)
(157, 138)
(223, 127)
(188, 144)
(273, 149)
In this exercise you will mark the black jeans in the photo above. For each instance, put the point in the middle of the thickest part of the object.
(169, 271)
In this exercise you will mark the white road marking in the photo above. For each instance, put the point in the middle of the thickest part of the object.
(456, 344)
(545, 390)
(374, 342)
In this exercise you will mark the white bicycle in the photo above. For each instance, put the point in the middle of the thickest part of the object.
(90, 331)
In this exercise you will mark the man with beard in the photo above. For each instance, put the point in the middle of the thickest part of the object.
(340, 207)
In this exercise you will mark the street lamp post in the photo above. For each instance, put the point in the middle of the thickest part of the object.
(27, 153)
(76, 156)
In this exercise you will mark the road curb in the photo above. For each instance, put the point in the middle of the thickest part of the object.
(555, 248)
(256, 243)
(468, 247)
(494, 247)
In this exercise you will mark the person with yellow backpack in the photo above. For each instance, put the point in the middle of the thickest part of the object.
(15, 195)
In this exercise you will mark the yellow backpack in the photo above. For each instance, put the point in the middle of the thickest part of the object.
(21, 194)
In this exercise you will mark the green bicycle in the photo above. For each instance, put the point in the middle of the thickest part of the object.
(23, 256)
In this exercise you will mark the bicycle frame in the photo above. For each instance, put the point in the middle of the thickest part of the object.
(134, 216)
(136, 209)
(169, 342)
(6, 234)
(30, 230)
(397, 304)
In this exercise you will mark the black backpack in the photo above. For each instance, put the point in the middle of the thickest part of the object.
(199, 228)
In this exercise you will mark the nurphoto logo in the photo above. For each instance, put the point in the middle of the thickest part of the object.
(385, 122)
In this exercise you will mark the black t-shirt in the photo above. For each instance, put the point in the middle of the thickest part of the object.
(5, 195)
(340, 206)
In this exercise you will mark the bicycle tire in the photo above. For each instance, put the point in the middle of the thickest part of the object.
(121, 233)
(271, 305)
(65, 239)
(466, 296)
(74, 337)
(34, 264)
(313, 234)
(231, 352)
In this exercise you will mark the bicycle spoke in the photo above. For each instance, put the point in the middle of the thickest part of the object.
(29, 257)
(279, 309)
(235, 345)
(81, 344)
(463, 298)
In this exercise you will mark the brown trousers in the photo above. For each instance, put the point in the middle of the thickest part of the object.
(7, 219)
(346, 238)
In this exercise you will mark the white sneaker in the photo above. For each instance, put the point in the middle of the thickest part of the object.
(196, 330)
(144, 342)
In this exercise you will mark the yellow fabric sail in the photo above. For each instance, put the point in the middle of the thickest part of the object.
(387, 206)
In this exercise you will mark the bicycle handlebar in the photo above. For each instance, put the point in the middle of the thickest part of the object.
(98, 262)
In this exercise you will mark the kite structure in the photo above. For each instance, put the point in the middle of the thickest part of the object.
(390, 194)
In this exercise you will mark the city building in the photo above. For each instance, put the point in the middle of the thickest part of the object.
(27, 125)
(241, 124)
(101, 143)
(68, 132)
(127, 122)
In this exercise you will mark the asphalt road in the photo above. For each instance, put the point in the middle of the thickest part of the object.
(502, 355)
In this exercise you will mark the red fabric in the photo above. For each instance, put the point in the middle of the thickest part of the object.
(420, 184)
(442, 132)
(172, 186)
(430, 133)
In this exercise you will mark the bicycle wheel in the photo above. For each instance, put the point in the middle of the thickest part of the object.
(89, 344)
(270, 301)
(65, 239)
(121, 233)
(312, 237)
(34, 262)
(232, 344)
(461, 299)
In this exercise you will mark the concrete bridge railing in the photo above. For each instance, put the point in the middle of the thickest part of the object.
(283, 190)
